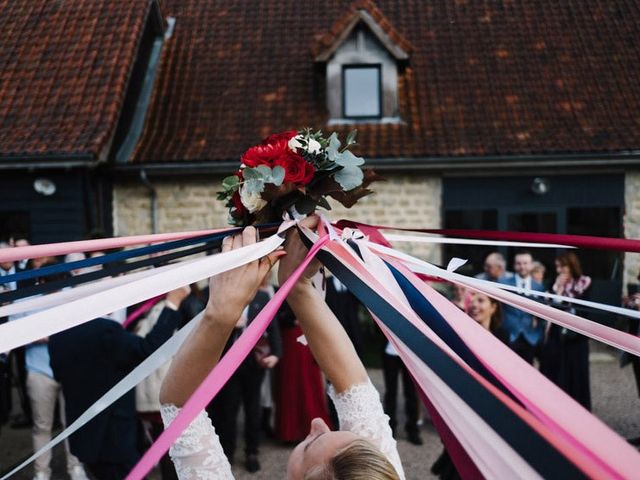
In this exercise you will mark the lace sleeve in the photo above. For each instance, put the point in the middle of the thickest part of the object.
(360, 411)
(197, 454)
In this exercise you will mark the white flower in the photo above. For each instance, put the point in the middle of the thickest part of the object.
(252, 201)
(313, 146)
(294, 143)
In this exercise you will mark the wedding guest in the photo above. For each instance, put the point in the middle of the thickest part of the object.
(487, 312)
(364, 448)
(88, 360)
(243, 388)
(148, 391)
(460, 297)
(6, 268)
(392, 368)
(538, 271)
(44, 391)
(566, 353)
(299, 388)
(495, 268)
(524, 330)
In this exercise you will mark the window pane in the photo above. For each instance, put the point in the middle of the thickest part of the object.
(362, 92)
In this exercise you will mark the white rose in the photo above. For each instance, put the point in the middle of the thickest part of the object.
(252, 201)
(294, 142)
(313, 146)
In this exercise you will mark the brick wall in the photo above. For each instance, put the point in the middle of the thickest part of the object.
(190, 204)
(631, 225)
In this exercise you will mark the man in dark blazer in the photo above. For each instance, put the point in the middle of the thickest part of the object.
(90, 359)
(524, 330)
(243, 388)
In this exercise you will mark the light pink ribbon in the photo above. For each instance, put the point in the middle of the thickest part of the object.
(63, 248)
(221, 373)
(141, 310)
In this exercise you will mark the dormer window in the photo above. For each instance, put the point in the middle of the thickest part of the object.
(362, 91)
(362, 73)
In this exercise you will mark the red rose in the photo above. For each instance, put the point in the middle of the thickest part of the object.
(279, 137)
(237, 202)
(296, 169)
(264, 154)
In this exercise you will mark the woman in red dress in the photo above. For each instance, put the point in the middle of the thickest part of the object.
(299, 387)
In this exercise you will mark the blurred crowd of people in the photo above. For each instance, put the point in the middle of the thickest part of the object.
(278, 384)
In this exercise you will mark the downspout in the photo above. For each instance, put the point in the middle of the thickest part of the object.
(153, 194)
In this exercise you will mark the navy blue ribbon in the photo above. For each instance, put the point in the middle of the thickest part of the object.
(529, 444)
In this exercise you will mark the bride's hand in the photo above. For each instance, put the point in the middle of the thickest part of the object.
(231, 291)
(296, 253)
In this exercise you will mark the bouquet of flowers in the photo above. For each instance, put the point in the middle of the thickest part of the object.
(294, 171)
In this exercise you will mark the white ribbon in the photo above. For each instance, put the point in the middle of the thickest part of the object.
(395, 237)
(420, 266)
(142, 371)
(62, 317)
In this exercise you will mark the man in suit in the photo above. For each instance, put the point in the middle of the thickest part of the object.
(525, 331)
(90, 359)
(243, 388)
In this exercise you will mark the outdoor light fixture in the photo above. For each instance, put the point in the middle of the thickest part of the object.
(44, 186)
(540, 186)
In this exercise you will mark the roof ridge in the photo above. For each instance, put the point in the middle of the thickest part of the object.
(327, 43)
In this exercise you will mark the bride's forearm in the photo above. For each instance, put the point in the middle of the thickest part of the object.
(329, 343)
(199, 353)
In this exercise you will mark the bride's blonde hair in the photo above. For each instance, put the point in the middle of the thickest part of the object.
(359, 460)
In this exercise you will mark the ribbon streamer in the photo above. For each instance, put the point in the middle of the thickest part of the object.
(465, 241)
(216, 379)
(142, 371)
(580, 241)
(61, 317)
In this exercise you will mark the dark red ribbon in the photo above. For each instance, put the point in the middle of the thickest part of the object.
(582, 241)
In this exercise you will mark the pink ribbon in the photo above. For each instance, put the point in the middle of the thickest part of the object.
(221, 373)
(141, 310)
(55, 249)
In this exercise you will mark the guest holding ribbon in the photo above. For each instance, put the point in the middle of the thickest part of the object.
(363, 448)
(88, 360)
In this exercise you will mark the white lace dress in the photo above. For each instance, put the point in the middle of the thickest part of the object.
(198, 455)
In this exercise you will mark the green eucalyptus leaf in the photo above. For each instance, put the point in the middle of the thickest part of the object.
(264, 171)
(277, 175)
(230, 183)
(349, 177)
(348, 159)
(254, 185)
(333, 147)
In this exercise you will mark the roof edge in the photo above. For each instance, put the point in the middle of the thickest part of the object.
(527, 162)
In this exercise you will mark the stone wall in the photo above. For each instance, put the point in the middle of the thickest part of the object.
(190, 204)
(631, 225)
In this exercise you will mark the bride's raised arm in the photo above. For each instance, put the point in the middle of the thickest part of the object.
(229, 293)
(329, 343)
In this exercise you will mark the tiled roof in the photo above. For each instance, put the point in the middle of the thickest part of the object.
(484, 78)
(64, 68)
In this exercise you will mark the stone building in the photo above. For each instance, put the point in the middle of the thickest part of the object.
(494, 115)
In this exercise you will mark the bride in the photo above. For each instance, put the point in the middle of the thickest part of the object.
(363, 448)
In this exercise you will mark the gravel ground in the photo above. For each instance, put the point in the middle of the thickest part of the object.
(614, 395)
